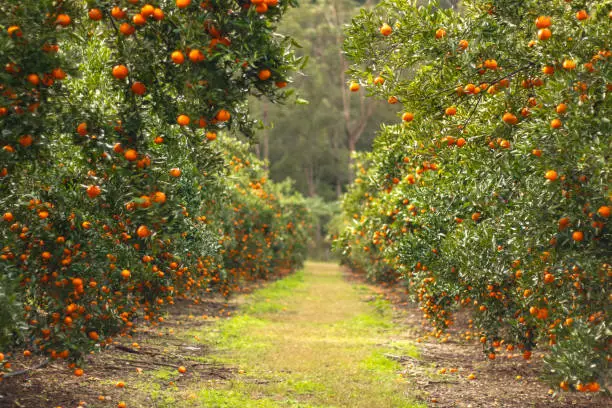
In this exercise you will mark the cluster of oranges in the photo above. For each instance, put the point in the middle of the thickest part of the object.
(113, 205)
(495, 198)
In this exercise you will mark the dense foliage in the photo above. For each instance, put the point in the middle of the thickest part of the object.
(493, 191)
(117, 197)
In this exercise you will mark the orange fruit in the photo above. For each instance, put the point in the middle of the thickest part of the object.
(93, 335)
(569, 64)
(131, 154)
(386, 29)
(561, 108)
(544, 34)
(223, 115)
(143, 231)
(379, 80)
(548, 69)
(211, 136)
(196, 56)
(578, 236)
(183, 3)
(158, 14)
(264, 74)
(543, 22)
(93, 191)
(95, 14)
(126, 29)
(159, 197)
(120, 384)
(461, 142)
(509, 118)
(139, 88)
(8, 217)
(26, 140)
(354, 86)
(63, 20)
(117, 13)
(280, 84)
(604, 211)
(175, 172)
(451, 111)
(440, 33)
(407, 117)
(125, 274)
(551, 175)
(147, 10)
(122, 405)
(463, 44)
(82, 129)
(177, 57)
(582, 15)
(120, 71)
(183, 120)
(556, 123)
(139, 19)
(182, 370)
(78, 372)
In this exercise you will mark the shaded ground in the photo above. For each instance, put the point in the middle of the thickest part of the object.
(440, 374)
(313, 339)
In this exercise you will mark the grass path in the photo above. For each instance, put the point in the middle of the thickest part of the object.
(310, 340)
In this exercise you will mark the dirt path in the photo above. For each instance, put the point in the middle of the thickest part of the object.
(312, 340)
(315, 339)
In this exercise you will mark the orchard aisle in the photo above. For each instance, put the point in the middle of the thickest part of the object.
(311, 340)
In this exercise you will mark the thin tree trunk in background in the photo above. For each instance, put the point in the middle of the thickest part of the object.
(310, 181)
(266, 134)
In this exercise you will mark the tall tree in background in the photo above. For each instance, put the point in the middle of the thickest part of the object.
(311, 143)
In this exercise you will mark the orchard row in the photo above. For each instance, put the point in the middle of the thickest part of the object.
(117, 196)
(492, 193)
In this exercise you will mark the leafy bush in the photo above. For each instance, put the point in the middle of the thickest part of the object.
(116, 197)
(493, 191)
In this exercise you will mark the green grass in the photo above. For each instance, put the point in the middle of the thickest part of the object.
(310, 340)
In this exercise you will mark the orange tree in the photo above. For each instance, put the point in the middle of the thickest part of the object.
(113, 188)
(492, 191)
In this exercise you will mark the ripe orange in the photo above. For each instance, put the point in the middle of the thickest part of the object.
(120, 71)
(95, 14)
(131, 154)
(223, 115)
(147, 10)
(451, 111)
(569, 64)
(582, 15)
(159, 197)
(63, 20)
(26, 140)
(463, 44)
(93, 191)
(182, 370)
(94, 336)
(126, 29)
(280, 84)
(122, 405)
(158, 14)
(264, 74)
(543, 22)
(509, 118)
(461, 142)
(139, 20)
(125, 274)
(551, 175)
(407, 117)
(183, 120)
(143, 231)
(183, 3)
(82, 129)
(548, 69)
(604, 211)
(578, 236)
(27, 353)
(354, 86)
(175, 172)
(211, 136)
(561, 108)
(139, 88)
(386, 29)
(379, 80)
(117, 13)
(177, 57)
(196, 56)
(556, 123)
(440, 33)
(544, 34)
(120, 384)
(78, 372)
(8, 217)
(392, 100)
